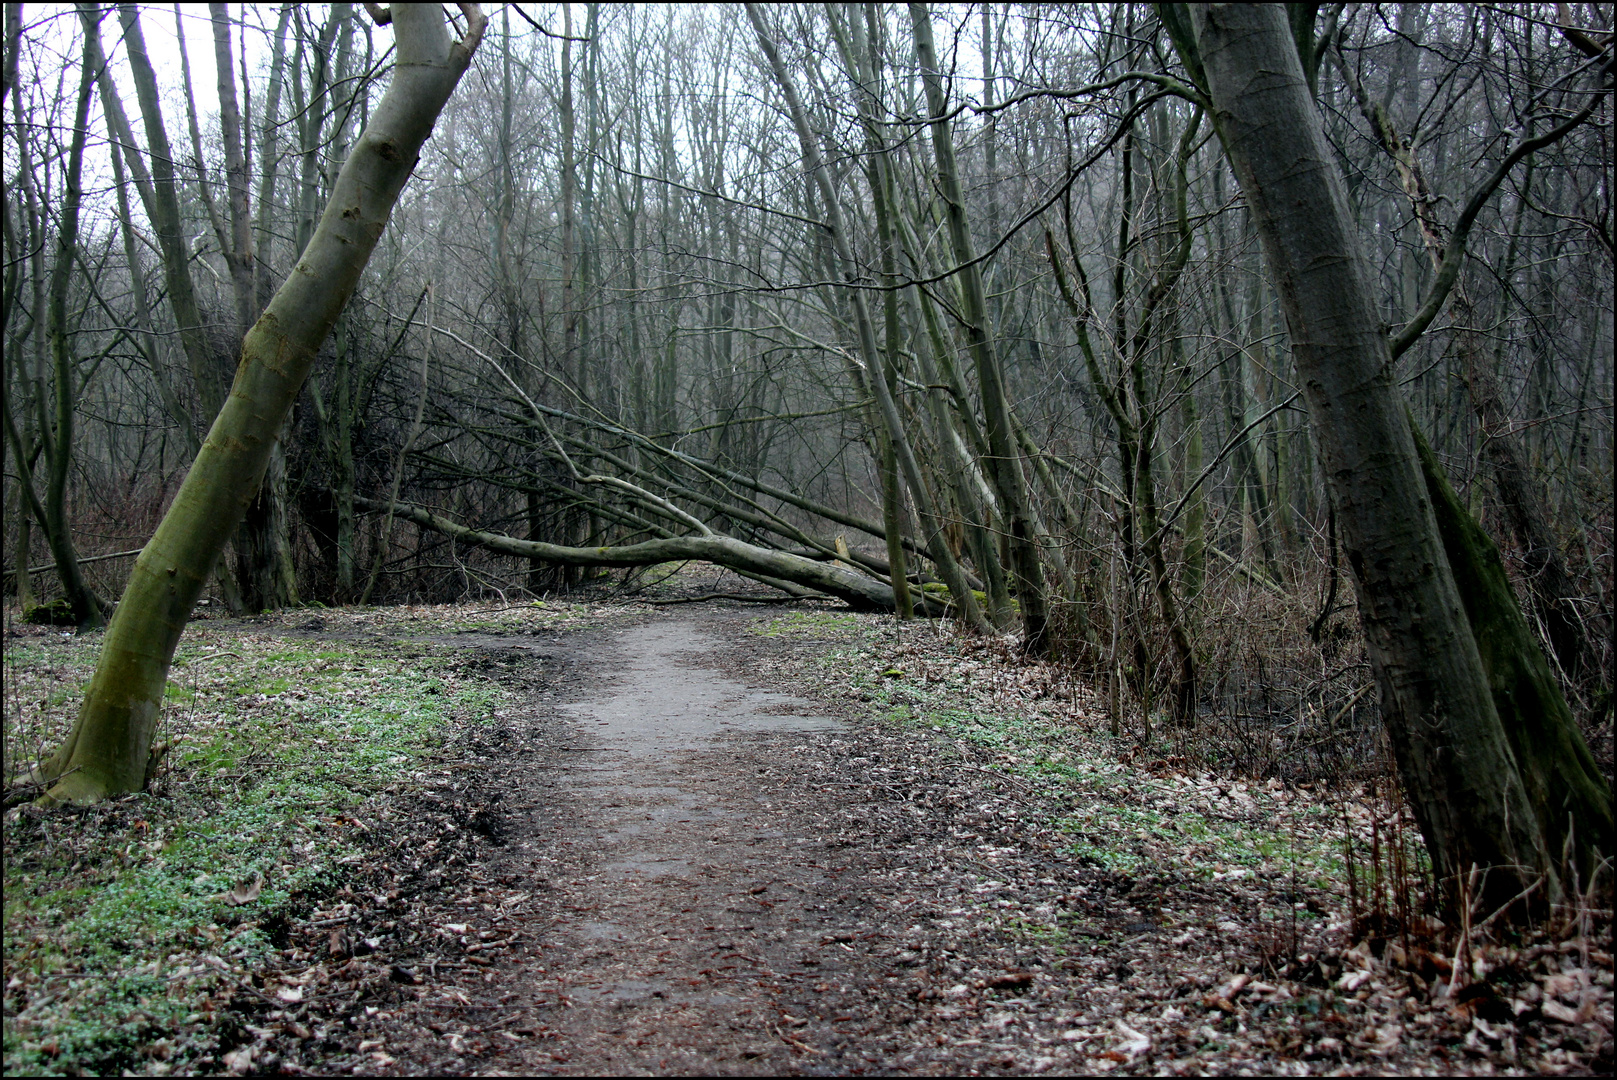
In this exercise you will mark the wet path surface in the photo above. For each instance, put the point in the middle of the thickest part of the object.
(651, 733)
(695, 936)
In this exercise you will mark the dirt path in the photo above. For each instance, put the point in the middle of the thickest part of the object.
(693, 924)
(673, 889)
(692, 871)
(661, 860)
(641, 841)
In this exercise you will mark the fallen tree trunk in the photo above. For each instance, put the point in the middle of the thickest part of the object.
(857, 590)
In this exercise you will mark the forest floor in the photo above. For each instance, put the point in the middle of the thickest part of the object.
(610, 837)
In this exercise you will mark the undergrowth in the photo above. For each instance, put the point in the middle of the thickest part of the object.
(1327, 887)
(1129, 807)
(127, 923)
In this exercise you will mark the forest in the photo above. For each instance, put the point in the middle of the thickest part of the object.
(1111, 397)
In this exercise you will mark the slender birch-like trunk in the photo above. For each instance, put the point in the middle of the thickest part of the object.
(1005, 461)
(58, 435)
(814, 166)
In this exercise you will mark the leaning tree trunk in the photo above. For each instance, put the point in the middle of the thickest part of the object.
(1010, 483)
(1460, 768)
(837, 234)
(780, 569)
(1550, 584)
(109, 747)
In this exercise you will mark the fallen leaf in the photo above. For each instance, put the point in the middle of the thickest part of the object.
(245, 892)
(1561, 986)
(1009, 980)
(1135, 1042)
(1352, 981)
(1563, 1015)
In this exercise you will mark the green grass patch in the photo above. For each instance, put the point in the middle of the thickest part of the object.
(810, 623)
(119, 923)
(1122, 818)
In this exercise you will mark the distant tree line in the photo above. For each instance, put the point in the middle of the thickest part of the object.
(995, 312)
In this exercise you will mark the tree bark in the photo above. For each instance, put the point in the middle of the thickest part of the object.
(859, 590)
(1550, 583)
(1005, 462)
(108, 750)
(1462, 775)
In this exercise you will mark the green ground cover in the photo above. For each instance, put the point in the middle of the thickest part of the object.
(122, 921)
(1130, 807)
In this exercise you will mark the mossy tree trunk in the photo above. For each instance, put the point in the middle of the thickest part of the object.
(1563, 783)
(109, 747)
(1550, 583)
(1488, 759)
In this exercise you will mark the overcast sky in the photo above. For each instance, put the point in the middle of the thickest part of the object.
(49, 69)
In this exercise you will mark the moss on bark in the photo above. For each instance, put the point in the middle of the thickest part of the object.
(1564, 785)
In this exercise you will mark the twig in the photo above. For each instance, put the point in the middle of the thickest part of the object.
(1017, 780)
(740, 596)
(1462, 948)
(24, 789)
(82, 562)
(1524, 894)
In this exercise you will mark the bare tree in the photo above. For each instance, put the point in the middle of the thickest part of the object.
(1486, 792)
(109, 748)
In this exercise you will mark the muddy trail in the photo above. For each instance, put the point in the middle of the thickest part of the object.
(665, 856)
(663, 862)
(693, 918)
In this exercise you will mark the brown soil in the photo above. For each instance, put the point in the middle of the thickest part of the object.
(663, 864)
